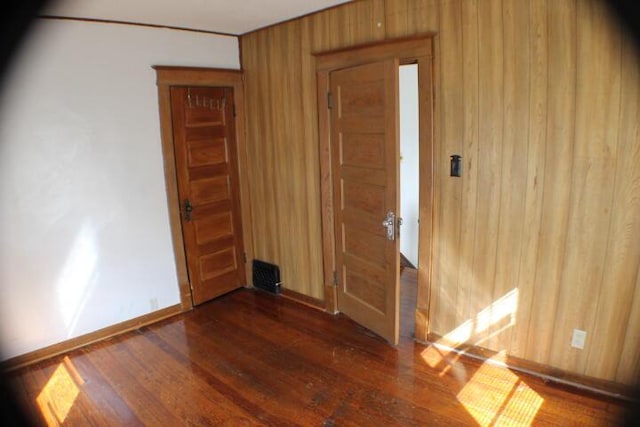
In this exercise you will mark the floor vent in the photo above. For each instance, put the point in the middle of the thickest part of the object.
(266, 276)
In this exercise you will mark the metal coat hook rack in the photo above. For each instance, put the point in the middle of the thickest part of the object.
(206, 102)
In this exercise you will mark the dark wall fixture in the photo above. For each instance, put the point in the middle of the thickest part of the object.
(456, 165)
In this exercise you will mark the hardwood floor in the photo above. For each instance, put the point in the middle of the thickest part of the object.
(250, 358)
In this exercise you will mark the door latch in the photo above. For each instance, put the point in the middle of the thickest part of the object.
(390, 223)
(187, 210)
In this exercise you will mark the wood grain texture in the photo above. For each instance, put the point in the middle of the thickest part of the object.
(514, 159)
(204, 138)
(407, 50)
(470, 156)
(592, 181)
(615, 314)
(365, 162)
(490, 136)
(558, 164)
(448, 207)
(292, 366)
(536, 150)
(542, 102)
(166, 77)
(427, 118)
(284, 164)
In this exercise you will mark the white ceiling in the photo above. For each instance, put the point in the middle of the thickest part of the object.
(223, 16)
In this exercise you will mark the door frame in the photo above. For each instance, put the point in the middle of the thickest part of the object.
(418, 49)
(167, 76)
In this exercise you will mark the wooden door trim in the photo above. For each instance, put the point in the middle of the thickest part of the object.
(167, 76)
(403, 49)
(418, 49)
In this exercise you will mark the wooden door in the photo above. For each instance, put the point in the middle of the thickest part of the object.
(206, 164)
(365, 155)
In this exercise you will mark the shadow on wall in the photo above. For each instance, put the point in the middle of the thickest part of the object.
(14, 22)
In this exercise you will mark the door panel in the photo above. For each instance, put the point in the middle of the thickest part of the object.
(365, 155)
(204, 138)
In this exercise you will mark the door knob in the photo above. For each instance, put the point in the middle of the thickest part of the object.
(390, 223)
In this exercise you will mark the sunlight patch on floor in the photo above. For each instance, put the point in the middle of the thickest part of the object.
(59, 394)
(497, 396)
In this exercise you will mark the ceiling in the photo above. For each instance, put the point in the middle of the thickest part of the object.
(223, 16)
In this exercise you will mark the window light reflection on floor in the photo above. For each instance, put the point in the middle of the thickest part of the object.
(497, 396)
(57, 397)
(493, 395)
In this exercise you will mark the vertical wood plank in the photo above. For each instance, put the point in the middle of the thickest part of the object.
(535, 155)
(424, 16)
(618, 284)
(408, 17)
(451, 135)
(282, 145)
(397, 23)
(557, 180)
(470, 156)
(310, 166)
(514, 169)
(597, 108)
(351, 24)
(491, 107)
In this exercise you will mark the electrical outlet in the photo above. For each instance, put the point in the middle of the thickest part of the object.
(578, 339)
(154, 303)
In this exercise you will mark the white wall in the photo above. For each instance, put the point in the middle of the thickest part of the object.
(84, 232)
(409, 165)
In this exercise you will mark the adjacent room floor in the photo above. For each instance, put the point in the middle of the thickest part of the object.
(250, 358)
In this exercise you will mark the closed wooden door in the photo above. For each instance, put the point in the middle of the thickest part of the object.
(206, 164)
(365, 158)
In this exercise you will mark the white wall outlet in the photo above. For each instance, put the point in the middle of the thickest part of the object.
(578, 339)
(154, 303)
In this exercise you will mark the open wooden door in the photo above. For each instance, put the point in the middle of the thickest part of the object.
(208, 187)
(365, 158)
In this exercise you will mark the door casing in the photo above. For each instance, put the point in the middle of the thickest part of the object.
(167, 76)
(419, 50)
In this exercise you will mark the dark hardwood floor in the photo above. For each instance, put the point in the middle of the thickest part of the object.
(249, 358)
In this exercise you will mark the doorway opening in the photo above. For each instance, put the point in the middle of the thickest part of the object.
(358, 116)
(409, 196)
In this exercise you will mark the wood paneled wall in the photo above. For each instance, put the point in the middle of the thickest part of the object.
(542, 100)
(283, 134)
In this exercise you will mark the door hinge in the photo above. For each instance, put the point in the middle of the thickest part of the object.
(329, 100)
(244, 257)
(234, 110)
(335, 278)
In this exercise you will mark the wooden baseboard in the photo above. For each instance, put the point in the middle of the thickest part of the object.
(303, 299)
(547, 373)
(92, 337)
